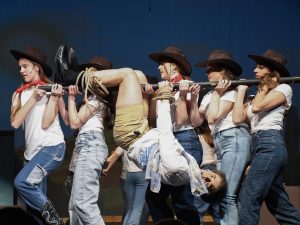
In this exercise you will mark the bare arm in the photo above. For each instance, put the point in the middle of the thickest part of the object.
(239, 114)
(18, 117)
(182, 104)
(52, 106)
(195, 114)
(265, 100)
(143, 80)
(63, 111)
(78, 118)
(152, 105)
(111, 160)
(218, 109)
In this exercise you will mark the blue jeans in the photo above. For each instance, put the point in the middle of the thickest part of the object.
(233, 151)
(92, 152)
(31, 181)
(145, 212)
(136, 187)
(204, 206)
(182, 198)
(264, 183)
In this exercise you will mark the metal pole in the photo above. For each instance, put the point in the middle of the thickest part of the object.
(233, 83)
(287, 80)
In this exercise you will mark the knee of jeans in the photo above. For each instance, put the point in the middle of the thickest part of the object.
(36, 175)
(78, 206)
(19, 183)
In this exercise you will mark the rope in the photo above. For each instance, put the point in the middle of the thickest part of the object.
(90, 82)
(164, 93)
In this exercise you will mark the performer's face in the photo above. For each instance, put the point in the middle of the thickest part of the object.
(260, 71)
(213, 73)
(165, 69)
(211, 179)
(28, 70)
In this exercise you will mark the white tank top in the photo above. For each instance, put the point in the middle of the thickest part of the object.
(36, 137)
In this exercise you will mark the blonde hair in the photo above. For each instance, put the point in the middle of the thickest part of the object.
(268, 79)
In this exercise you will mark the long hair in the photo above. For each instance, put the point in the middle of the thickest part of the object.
(205, 132)
(268, 79)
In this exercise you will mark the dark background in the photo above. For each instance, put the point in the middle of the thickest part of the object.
(126, 31)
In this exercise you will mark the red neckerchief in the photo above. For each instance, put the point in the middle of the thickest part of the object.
(176, 79)
(30, 84)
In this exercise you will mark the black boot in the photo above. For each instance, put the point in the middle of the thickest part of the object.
(61, 63)
(50, 215)
(66, 66)
(73, 63)
(69, 183)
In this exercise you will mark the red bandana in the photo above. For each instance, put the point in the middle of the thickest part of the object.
(30, 84)
(176, 79)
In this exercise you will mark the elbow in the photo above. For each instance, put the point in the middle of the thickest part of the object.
(45, 126)
(212, 120)
(256, 109)
(237, 121)
(179, 123)
(66, 122)
(74, 126)
(196, 124)
(15, 125)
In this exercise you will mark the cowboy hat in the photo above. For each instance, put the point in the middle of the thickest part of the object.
(273, 60)
(223, 58)
(35, 55)
(175, 55)
(98, 62)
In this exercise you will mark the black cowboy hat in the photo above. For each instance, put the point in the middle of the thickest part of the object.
(223, 58)
(98, 62)
(273, 60)
(173, 54)
(35, 55)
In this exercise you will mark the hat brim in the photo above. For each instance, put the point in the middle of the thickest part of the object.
(88, 65)
(19, 55)
(183, 64)
(235, 68)
(272, 64)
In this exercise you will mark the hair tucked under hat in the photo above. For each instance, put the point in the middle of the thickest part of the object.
(36, 55)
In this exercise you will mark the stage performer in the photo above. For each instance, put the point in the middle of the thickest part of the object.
(45, 146)
(174, 67)
(266, 115)
(231, 141)
(90, 150)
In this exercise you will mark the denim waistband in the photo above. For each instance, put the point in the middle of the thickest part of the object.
(185, 130)
(237, 127)
(269, 131)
